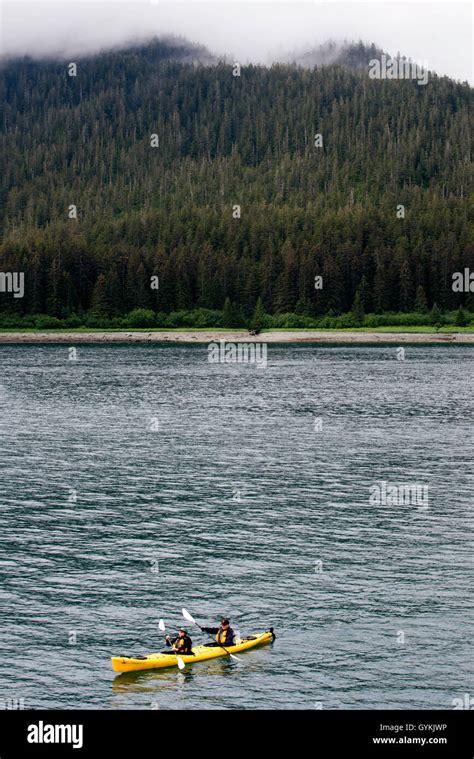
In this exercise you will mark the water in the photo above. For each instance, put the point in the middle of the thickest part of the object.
(235, 505)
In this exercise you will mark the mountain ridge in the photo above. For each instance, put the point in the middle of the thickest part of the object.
(355, 55)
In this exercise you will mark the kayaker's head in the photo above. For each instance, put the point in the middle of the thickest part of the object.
(225, 623)
(182, 632)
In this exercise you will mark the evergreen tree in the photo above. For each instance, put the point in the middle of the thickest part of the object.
(357, 310)
(100, 305)
(259, 317)
(365, 295)
(406, 287)
(229, 314)
(460, 319)
(421, 303)
(436, 317)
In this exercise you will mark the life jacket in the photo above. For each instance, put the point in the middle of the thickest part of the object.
(223, 636)
(181, 643)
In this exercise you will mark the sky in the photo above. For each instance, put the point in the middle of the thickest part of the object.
(438, 33)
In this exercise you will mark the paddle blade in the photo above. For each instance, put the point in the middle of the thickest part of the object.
(232, 656)
(188, 616)
(161, 625)
(181, 663)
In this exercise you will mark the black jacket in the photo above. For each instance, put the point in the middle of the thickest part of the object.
(225, 637)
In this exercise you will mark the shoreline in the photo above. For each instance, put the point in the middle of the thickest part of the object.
(237, 336)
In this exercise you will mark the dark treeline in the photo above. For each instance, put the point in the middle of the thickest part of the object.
(227, 141)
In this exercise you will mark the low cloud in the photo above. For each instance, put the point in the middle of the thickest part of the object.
(439, 33)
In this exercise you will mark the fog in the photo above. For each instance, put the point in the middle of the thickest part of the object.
(439, 34)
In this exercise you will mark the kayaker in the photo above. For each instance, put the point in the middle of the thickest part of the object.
(182, 644)
(224, 634)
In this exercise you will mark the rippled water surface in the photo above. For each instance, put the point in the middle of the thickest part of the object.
(212, 487)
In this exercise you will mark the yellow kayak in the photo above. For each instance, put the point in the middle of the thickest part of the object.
(200, 653)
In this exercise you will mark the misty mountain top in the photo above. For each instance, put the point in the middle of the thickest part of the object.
(354, 55)
(163, 48)
(347, 53)
(252, 33)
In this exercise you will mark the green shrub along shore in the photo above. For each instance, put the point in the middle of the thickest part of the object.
(230, 317)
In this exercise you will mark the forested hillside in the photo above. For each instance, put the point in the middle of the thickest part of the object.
(168, 208)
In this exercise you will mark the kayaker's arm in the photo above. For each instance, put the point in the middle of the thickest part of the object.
(211, 630)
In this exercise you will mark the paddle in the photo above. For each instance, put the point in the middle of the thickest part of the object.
(189, 618)
(181, 664)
